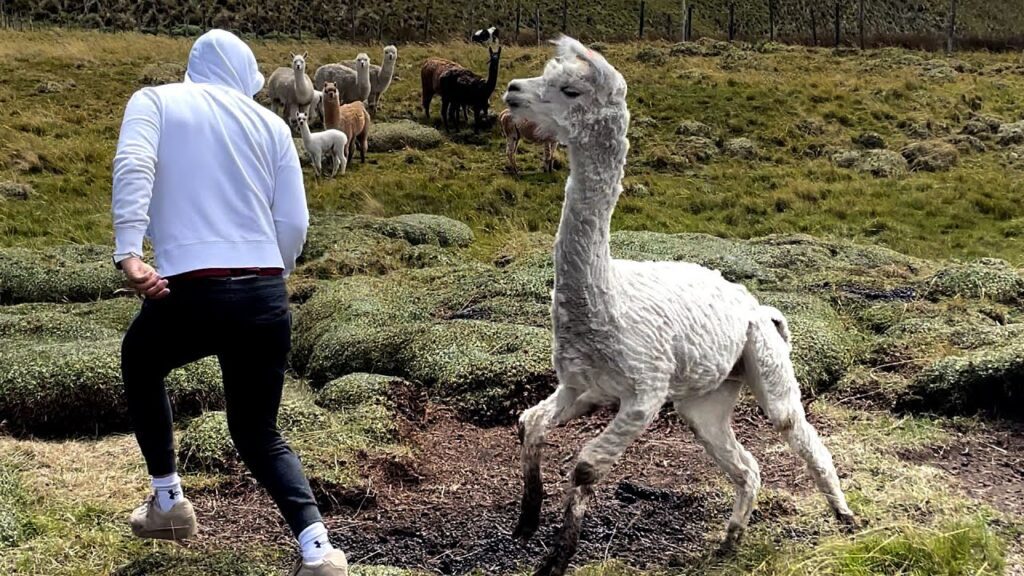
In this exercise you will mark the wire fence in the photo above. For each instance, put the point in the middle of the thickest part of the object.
(925, 24)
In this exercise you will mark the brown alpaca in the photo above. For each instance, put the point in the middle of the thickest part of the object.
(514, 132)
(430, 76)
(353, 119)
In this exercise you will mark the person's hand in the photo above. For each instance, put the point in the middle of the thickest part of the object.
(144, 279)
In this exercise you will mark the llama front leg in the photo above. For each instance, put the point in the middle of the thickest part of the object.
(511, 147)
(595, 460)
(708, 417)
(773, 381)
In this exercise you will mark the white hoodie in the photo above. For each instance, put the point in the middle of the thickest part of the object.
(211, 177)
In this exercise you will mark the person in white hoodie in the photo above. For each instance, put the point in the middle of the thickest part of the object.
(213, 180)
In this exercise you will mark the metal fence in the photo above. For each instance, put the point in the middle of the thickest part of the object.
(928, 24)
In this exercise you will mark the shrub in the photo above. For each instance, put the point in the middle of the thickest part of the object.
(75, 273)
(391, 136)
(206, 445)
(15, 191)
(76, 388)
(988, 380)
(742, 148)
(931, 155)
(697, 149)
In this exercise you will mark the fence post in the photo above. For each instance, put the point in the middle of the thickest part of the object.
(838, 25)
(565, 16)
(682, 20)
(668, 27)
(860, 22)
(814, 26)
(426, 22)
(519, 17)
(643, 9)
(732, 22)
(537, 22)
(689, 22)
(771, 20)
(951, 32)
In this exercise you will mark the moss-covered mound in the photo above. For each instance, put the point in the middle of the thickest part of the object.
(75, 387)
(390, 136)
(988, 380)
(72, 273)
(354, 390)
(988, 278)
(328, 443)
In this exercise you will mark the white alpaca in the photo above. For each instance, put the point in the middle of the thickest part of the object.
(643, 333)
(332, 143)
(316, 108)
(290, 89)
(380, 76)
(353, 83)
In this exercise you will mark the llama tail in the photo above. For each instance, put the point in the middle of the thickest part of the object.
(779, 320)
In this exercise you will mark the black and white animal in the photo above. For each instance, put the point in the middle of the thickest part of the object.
(486, 35)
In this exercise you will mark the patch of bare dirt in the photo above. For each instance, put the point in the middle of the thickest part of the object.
(452, 507)
(987, 462)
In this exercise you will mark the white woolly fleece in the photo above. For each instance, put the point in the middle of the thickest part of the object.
(205, 172)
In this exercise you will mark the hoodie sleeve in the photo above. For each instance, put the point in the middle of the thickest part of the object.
(291, 216)
(134, 171)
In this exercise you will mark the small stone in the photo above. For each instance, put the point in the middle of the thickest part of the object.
(931, 156)
(694, 128)
(15, 191)
(742, 148)
(869, 141)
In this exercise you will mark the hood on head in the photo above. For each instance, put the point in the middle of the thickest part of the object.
(219, 57)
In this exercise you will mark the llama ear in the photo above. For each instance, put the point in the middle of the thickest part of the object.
(570, 48)
(305, 55)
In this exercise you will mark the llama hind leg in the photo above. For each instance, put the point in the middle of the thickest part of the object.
(594, 461)
(772, 379)
(533, 426)
(709, 417)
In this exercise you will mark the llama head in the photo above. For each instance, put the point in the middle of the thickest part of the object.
(299, 62)
(362, 62)
(495, 52)
(300, 119)
(578, 89)
(331, 92)
(390, 54)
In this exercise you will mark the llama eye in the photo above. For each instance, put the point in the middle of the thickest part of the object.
(570, 92)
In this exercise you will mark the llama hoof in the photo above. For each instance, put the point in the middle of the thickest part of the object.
(552, 566)
(526, 528)
(850, 522)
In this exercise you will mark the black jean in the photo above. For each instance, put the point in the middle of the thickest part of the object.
(246, 324)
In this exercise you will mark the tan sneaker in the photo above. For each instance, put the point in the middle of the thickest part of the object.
(333, 564)
(178, 523)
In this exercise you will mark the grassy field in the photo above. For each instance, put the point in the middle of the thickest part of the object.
(906, 343)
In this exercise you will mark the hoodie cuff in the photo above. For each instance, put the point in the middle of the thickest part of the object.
(128, 241)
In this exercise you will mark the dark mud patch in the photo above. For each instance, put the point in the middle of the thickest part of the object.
(988, 463)
(451, 506)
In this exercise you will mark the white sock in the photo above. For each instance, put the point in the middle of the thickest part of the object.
(168, 491)
(314, 542)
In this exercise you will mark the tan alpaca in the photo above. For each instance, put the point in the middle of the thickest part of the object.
(524, 130)
(353, 119)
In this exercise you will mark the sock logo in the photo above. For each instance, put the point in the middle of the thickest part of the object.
(172, 494)
(317, 544)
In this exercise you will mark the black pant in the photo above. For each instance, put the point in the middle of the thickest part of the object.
(246, 323)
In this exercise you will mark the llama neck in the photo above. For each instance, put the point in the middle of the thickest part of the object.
(492, 76)
(303, 86)
(597, 156)
(363, 76)
(306, 136)
(387, 70)
(332, 113)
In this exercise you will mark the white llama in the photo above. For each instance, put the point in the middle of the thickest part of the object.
(333, 143)
(290, 89)
(643, 333)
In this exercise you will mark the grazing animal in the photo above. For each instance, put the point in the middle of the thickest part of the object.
(461, 87)
(290, 89)
(430, 78)
(380, 77)
(525, 130)
(316, 108)
(333, 143)
(353, 119)
(486, 35)
(353, 83)
(643, 333)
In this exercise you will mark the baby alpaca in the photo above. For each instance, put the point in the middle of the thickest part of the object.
(353, 119)
(523, 130)
(330, 142)
(643, 333)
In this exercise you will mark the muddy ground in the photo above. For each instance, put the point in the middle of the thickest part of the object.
(451, 508)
